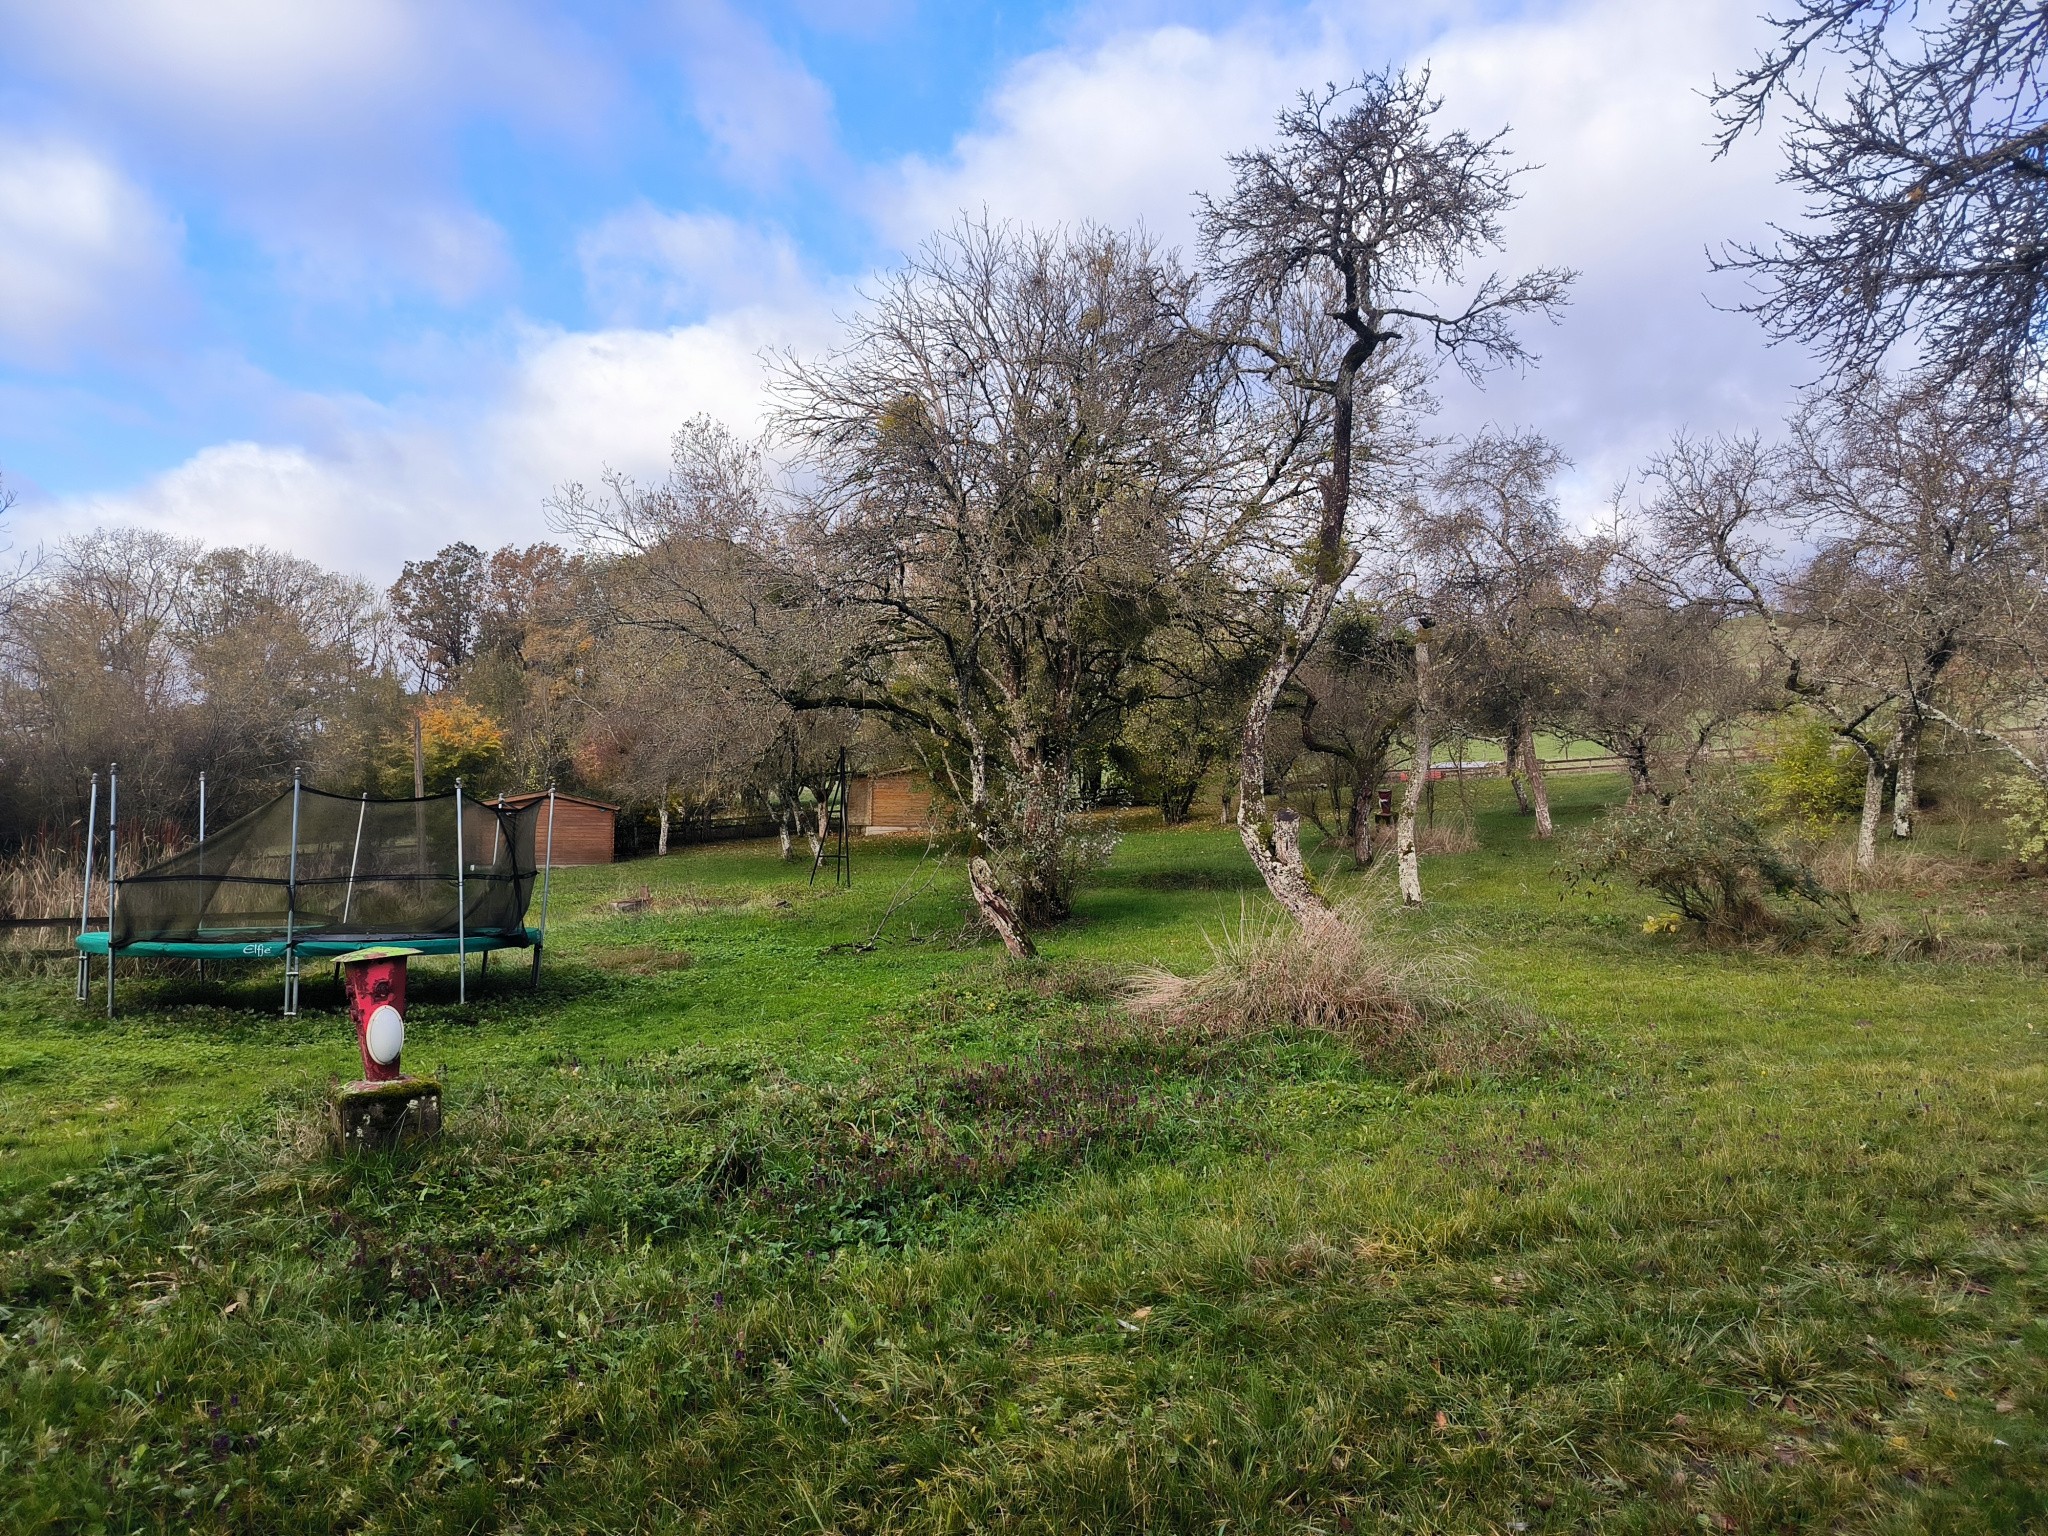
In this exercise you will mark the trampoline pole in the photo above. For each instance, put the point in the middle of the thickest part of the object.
(92, 828)
(547, 870)
(113, 870)
(291, 912)
(202, 844)
(461, 912)
(348, 898)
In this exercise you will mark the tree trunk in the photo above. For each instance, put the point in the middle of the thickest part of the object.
(1539, 788)
(1358, 831)
(1511, 760)
(782, 832)
(661, 838)
(1873, 809)
(1637, 757)
(996, 908)
(1277, 858)
(1906, 789)
(1418, 781)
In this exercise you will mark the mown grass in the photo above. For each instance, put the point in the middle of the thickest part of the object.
(799, 1236)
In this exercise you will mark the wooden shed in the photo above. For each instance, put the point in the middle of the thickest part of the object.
(585, 829)
(899, 801)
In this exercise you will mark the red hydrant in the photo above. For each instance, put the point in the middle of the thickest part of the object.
(374, 981)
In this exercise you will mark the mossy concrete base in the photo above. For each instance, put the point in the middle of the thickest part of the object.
(376, 1117)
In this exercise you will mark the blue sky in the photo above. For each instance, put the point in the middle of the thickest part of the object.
(358, 277)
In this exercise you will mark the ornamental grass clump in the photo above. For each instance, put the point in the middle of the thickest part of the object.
(1338, 975)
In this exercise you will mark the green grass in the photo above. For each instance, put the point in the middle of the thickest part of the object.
(794, 1236)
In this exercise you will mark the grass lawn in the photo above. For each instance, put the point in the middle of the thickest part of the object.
(739, 1226)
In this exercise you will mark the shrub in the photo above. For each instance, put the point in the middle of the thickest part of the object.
(2025, 801)
(1814, 778)
(1338, 976)
(1705, 855)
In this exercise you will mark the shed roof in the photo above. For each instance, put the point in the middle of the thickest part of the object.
(562, 797)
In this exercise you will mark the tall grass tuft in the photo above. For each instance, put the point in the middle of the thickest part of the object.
(42, 879)
(1341, 976)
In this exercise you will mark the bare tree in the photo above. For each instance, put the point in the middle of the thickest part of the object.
(1876, 552)
(1010, 465)
(172, 659)
(1326, 253)
(1921, 499)
(1923, 163)
(1649, 672)
(1492, 551)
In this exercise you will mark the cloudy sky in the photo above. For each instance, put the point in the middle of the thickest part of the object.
(360, 277)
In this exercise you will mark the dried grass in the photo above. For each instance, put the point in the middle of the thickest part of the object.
(1896, 869)
(1883, 936)
(644, 959)
(42, 879)
(1451, 837)
(1405, 1014)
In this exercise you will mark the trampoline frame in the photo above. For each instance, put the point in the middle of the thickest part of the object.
(293, 945)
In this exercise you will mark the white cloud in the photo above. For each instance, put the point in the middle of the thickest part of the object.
(262, 77)
(365, 487)
(1603, 95)
(444, 249)
(1123, 131)
(325, 129)
(82, 249)
(642, 265)
(762, 108)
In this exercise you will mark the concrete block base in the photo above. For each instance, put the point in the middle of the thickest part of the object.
(377, 1117)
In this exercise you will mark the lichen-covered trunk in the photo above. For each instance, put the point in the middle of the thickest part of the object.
(1873, 811)
(1277, 857)
(1539, 787)
(1906, 786)
(782, 833)
(815, 836)
(1407, 854)
(661, 837)
(998, 910)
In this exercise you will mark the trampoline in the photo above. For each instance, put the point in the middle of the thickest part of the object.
(314, 875)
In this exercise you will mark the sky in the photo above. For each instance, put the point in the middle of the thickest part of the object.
(358, 278)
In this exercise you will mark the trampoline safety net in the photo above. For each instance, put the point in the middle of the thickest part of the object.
(321, 867)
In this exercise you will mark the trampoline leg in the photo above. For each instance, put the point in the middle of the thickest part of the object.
(536, 967)
(291, 984)
(483, 970)
(84, 977)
